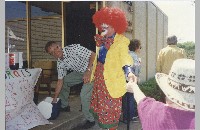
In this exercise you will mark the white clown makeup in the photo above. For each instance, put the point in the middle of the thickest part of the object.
(107, 30)
(104, 28)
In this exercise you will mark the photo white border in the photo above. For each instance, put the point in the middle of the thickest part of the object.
(2, 66)
(197, 58)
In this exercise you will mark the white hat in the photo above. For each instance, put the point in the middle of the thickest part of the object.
(179, 85)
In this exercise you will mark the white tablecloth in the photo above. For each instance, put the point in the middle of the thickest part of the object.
(21, 111)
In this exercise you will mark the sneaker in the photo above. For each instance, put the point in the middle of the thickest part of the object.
(88, 124)
(65, 109)
(135, 119)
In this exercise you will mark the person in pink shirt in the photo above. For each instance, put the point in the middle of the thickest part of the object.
(179, 89)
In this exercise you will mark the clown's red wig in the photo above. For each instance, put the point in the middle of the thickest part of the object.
(114, 17)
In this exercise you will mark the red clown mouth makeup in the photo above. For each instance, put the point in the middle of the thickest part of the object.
(104, 29)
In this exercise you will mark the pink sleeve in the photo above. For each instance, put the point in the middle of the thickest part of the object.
(147, 107)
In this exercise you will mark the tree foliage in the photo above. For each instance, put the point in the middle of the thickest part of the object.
(189, 47)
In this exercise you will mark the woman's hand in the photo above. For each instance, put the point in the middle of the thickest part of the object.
(132, 77)
(132, 83)
(132, 87)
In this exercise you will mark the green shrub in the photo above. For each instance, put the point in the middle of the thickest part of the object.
(151, 89)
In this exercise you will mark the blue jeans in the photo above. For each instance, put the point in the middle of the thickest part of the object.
(128, 106)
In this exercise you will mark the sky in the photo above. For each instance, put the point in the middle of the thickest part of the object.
(181, 18)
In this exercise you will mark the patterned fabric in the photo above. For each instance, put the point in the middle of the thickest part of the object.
(106, 110)
(156, 115)
(102, 40)
(181, 87)
(167, 56)
(21, 113)
(104, 44)
(76, 58)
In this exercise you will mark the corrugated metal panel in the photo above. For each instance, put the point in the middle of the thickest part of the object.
(42, 31)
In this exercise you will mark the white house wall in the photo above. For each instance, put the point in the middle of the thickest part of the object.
(140, 29)
(151, 53)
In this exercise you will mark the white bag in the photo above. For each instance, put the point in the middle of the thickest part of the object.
(49, 110)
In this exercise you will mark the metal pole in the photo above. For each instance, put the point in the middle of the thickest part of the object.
(128, 110)
(28, 15)
(63, 5)
(97, 8)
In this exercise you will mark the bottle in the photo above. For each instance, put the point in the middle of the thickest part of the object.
(13, 58)
(7, 61)
(20, 60)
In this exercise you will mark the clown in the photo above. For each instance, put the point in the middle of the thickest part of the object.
(111, 68)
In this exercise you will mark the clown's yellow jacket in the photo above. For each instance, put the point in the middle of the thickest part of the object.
(116, 57)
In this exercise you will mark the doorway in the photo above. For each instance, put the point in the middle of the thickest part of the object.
(79, 27)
